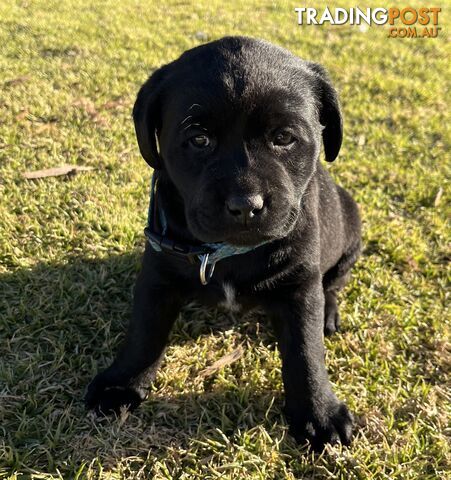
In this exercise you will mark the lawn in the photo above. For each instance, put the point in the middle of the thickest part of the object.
(70, 249)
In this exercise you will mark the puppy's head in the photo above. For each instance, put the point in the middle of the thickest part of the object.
(237, 124)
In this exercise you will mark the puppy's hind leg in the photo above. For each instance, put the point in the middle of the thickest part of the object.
(331, 314)
(333, 281)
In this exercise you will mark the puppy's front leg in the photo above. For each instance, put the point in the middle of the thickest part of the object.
(126, 381)
(313, 411)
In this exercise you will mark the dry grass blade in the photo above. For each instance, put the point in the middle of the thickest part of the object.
(438, 197)
(222, 362)
(57, 171)
(16, 81)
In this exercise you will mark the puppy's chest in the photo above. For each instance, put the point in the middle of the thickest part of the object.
(230, 300)
(223, 294)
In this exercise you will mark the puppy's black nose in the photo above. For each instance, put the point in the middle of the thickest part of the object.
(243, 208)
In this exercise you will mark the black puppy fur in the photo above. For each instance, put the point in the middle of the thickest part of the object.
(234, 130)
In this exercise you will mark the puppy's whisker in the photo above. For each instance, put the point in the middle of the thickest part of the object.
(191, 125)
(186, 119)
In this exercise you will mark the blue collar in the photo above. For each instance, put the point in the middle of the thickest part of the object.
(208, 254)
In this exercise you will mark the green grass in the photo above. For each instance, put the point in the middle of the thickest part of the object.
(70, 250)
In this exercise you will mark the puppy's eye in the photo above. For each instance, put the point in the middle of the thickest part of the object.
(200, 141)
(283, 138)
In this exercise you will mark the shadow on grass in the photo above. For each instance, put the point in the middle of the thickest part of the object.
(60, 324)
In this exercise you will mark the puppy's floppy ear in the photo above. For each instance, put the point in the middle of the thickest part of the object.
(329, 113)
(147, 117)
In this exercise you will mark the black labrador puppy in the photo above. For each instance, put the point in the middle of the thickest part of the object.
(243, 214)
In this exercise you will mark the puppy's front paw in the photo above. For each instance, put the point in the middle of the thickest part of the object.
(105, 399)
(332, 426)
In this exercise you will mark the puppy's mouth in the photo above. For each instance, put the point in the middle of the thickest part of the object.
(247, 239)
(248, 236)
